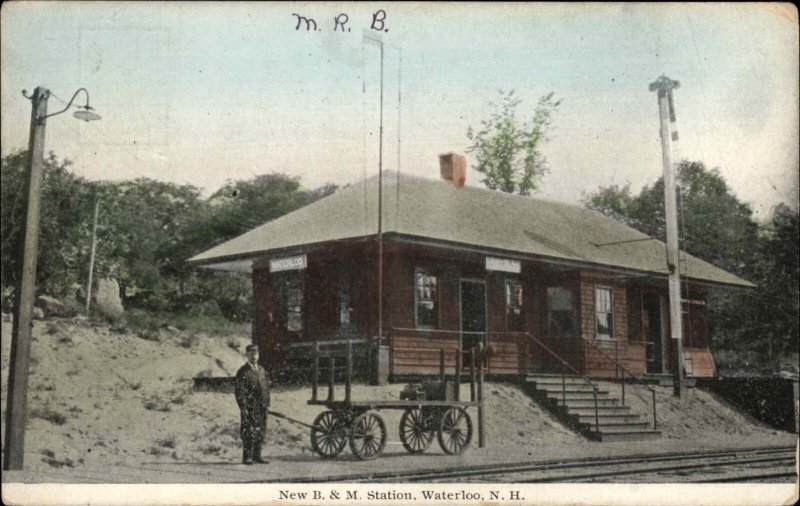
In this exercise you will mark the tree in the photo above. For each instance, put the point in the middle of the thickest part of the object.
(63, 235)
(508, 151)
(140, 223)
(721, 230)
(716, 226)
(240, 206)
(232, 210)
(772, 309)
(146, 230)
(615, 202)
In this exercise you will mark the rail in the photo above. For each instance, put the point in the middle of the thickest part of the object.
(619, 367)
(564, 364)
(485, 337)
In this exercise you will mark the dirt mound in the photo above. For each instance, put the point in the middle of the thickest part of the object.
(99, 396)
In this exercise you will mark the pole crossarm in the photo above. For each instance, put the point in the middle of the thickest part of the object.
(664, 85)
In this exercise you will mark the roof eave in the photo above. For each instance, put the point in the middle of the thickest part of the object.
(209, 263)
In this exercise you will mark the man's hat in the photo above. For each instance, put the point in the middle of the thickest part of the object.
(251, 347)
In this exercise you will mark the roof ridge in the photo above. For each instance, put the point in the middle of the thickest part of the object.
(513, 196)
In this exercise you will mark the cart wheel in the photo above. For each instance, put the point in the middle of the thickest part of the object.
(368, 436)
(455, 431)
(329, 435)
(416, 432)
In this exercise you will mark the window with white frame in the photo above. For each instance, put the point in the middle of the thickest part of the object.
(604, 312)
(426, 299)
(513, 305)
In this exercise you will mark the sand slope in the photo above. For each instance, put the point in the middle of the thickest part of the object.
(100, 397)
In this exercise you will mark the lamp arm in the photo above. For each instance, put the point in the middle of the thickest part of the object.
(70, 104)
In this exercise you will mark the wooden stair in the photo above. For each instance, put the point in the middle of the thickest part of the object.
(573, 403)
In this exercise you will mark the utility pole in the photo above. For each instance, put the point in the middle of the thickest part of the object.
(369, 38)
(16, 410)
(664, 86)
(91, 257)
(380, 211)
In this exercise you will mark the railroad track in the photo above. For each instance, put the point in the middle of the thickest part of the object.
(751, 464)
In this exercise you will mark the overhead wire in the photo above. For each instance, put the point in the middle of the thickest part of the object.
(399, 133)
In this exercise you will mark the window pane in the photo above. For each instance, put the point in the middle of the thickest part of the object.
(563, 323)
(426, 299)
(604, 324)
(559, 298)
(293, 299)
(344, 304)
(514, 306)
(603, 312)
(562, 317)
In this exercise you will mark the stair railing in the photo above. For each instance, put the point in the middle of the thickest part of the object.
(564, 366)
(623, 369)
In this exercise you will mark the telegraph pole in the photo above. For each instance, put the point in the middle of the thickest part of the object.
(369, 38)
(91, 257)
(16, 409)
(664, 86)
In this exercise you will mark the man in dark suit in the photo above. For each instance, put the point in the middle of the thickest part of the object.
(252, 396)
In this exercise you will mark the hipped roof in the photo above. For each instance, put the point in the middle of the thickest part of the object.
(433, 210)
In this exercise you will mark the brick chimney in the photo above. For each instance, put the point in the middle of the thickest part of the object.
(453, 168)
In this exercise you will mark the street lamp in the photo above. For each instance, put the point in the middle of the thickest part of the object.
(16, 405)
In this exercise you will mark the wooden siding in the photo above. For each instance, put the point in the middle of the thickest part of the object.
(602, 354)
(507, 354)
(636, 358)
(702, 362)
(417, 351)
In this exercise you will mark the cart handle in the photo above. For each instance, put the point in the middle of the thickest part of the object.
(281, 415)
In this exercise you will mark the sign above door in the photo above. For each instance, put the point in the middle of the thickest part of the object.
(287, 263)
(503, 264)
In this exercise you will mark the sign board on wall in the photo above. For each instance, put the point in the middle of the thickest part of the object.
(287, 263)
(503, 264)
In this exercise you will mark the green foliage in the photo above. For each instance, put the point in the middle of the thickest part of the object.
(717, 227)
(242, 205)
(720, 229)
(614, 201)
(151, 322)
(769, 316)
(507, 150)
(146, 231)
(140, 222)
(63, 236)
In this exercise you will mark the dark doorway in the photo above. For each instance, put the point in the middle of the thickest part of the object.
(653, 330)
(473, 315)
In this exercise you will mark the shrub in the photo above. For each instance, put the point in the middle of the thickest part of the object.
(204, 308)
(167, 441)
(48, 414)
(139, 319)
(210, 324)
(72, 307)
(157, 404)
(188, 340)
(212, 450)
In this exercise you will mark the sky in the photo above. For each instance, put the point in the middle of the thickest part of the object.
(202, 93)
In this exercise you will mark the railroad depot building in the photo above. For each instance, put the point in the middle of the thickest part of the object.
(537, 281)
